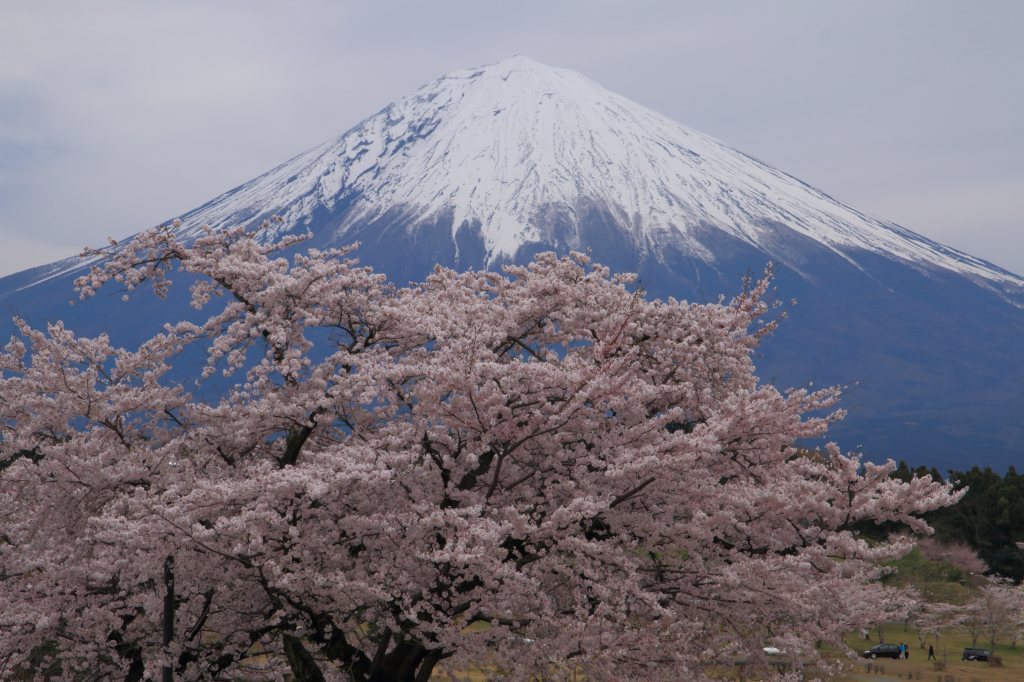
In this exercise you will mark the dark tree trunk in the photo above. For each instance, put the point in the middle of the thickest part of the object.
(396, 659)
(301, 661)
(407, 662)
(427, 666)
(168, 619)
(136, 669)
(130, 651)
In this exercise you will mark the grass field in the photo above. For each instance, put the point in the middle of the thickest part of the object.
(947, 650)
(947, 668)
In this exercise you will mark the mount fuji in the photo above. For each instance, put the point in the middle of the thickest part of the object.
(492, 165)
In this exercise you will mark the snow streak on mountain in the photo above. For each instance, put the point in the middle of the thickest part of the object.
(491, 165)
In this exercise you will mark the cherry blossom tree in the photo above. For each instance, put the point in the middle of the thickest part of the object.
(533, 472)
(957, 554)
(932, 619)
(994, 612)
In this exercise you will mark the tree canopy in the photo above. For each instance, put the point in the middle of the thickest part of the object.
(534, 471)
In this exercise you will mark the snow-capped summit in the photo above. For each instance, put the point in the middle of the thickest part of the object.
(522, 151)
(490, 165)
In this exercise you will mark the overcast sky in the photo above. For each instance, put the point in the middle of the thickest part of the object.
(117, 115)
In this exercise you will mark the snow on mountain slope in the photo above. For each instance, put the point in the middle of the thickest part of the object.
(502, 143)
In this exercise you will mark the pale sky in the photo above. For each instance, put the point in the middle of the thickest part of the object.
(116, 115)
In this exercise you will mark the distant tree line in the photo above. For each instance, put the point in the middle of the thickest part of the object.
(989, 518)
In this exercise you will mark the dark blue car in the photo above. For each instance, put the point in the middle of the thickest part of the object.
(972, 654)
(883, 651)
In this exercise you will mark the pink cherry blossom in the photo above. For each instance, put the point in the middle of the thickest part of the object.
(533, 472)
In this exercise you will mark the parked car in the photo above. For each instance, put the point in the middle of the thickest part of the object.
(972, 654)
(772, 651)
(883, 651)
